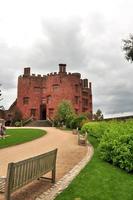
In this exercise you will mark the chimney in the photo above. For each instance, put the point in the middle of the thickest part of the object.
(85, 83)
(27, 71)
(62, 68)
(90, 85)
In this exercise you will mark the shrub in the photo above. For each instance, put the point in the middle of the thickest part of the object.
(95, 129)
(64, 114)
(77, 121)
(116, 145)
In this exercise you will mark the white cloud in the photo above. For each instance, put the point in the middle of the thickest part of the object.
(87, 35)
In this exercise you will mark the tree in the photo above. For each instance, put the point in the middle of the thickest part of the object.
(98, 116)
(128, 48)
(1, 107)
(64, 113)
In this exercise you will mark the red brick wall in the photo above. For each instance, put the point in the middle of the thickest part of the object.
(49, 90)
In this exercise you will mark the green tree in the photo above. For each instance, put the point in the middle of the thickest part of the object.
(98, 115)
(128, 48)
(1, 107)
(64, 113)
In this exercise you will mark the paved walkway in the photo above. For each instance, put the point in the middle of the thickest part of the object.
(69, 154)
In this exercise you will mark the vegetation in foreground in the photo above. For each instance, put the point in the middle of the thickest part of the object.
(116, 142)
(99, 181)
(19, 136)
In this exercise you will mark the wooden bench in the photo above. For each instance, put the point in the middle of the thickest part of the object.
(23, 172)
(82, 139)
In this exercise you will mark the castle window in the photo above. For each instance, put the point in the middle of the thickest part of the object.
(43, 90)
(85, 93)
(49, 98)
(85, 102)
(84, 109)
(26, 100)
(76, 88)
(55, 87)
(33, 112)
(76, 110)
(43, 100)
(76, 99)
(37, 89)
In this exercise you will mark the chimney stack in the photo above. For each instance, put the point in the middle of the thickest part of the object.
(62, 68)
(27, 71)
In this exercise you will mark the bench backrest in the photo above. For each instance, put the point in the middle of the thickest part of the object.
(23, 172)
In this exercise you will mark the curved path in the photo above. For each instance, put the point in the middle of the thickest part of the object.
(69, 154)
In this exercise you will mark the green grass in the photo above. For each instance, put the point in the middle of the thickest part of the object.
(99, 181)
(19, 136)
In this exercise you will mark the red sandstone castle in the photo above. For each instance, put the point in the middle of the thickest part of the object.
(39, 96)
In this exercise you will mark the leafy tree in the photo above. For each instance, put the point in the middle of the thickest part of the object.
(64, 113)
(128, 48)
(1, 107)
(98, 115)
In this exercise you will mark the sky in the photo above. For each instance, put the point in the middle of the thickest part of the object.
(84, 34)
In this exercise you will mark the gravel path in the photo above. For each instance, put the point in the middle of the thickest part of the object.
(69, 154)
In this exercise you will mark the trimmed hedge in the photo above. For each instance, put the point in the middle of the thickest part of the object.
(95, 129)
(116, 142)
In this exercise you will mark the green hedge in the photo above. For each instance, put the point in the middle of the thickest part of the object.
(95, 129)
(116, 141)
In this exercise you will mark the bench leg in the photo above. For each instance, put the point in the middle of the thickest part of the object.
(53, 175)
(7, 196)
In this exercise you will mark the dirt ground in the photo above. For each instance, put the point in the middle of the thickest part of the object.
(69, 154)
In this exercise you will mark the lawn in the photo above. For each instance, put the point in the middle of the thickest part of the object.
(99, 181)
(19, 136)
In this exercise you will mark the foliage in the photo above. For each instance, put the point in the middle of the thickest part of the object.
(1, 106)
(64, 114)
(78, 121)
(116, 145)
(128, 48)
(19, 136)
(96, 129)
(116, 141)
(100, 181)
(98, 116)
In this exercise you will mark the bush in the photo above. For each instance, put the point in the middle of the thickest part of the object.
(77, 121)
(118, 150)
(116, 145)
(96, 129)
(64, 114)
(116, 141)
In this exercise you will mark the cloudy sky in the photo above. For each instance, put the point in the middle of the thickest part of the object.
(86, 35)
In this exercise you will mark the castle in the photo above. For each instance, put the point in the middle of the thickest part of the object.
(38, 96)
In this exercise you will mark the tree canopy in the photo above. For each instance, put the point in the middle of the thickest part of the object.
(128, 48)
(98, 115)
(64, 112)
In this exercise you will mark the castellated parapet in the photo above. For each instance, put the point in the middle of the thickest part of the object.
(39, 95)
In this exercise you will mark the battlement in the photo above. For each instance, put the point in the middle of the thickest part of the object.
(62, 72)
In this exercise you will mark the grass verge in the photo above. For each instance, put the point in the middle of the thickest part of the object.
(19, 136)
(99, 181)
